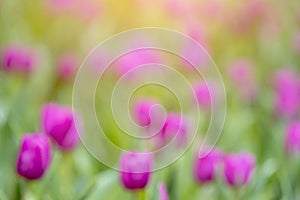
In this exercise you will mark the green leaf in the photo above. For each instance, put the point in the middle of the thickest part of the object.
(107, 186)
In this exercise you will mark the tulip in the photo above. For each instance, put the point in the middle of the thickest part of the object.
(177, 9)
(135, 169)
(205, 168)
(292, 137)
(242, 75)
(142, 110)
(174, 126)
(134, 59)
(194, 56)
(203, 95)
(251, 13)
(238, 168)
(34, 156)
(66, 67)
(162, 192)
(58, 123)
(58, 6)
(18, 59)
(287, 88)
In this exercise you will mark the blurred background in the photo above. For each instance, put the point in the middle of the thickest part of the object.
(254, 43)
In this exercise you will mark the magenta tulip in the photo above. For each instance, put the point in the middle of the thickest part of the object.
(194, 57)
(18, 59)
(134, 59)
(238, 168)
(135, 169)
(292, 137)
(66, 67)
(141, 111)
(287, 88)
(206, 165)
(34, 156)
(162, 192)
(241, 73)
(58, 122)
(203, 95)
(175, 126)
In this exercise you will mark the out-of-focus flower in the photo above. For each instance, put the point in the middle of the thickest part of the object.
(214, 9)
(58, 122)
(66, 67)
(175, 126)
(162, 192)
(194, 56)
(134, 59)
(242, 75)
(34, 156)
(142, 110)
(60, 5)
(135, 169)
(296, 42)
(86, 10)
(206, 165)
(287, 88)
(251, 13)
(176, 8)
(238, 168)
(292, 137)
(203, 94)
(18, 59)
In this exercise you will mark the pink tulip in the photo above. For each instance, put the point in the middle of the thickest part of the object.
(292, 137)
(251, 13)
(135, 169)
(134, 59)
(242, 75)
(194, 57)
(203, 95)
(18, 59)
(141, 110)
(58, 123)
(205, 168)
(176, 8)
(34, 156)
(287, 88)
(175, 126)
(162, 192)
(61, 5)
(238, 168)
(66, 65)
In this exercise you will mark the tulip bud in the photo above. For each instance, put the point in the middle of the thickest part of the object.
(134, 59)
(287, 88)
(142, 110)
(58, 122)
(162, 192)
(203, 95)
(205, 168)
(238, 168)
(66, 67)
(292, 137)
(194, 56)
(18, 59)
(175, 126)
(135, 169)
(242, 75)
(34, 156)
(59, 6)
